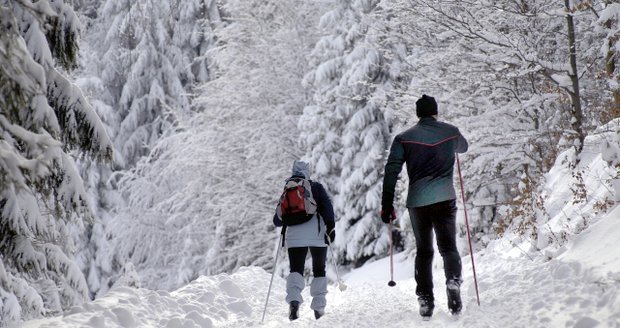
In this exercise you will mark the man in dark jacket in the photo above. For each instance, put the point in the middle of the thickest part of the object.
(314, 236)
(429, 150)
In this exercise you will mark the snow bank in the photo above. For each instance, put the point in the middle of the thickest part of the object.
(579, 195)
(213, 301)
(597, 247)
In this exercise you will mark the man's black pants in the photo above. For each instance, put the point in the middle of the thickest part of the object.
(440, 217)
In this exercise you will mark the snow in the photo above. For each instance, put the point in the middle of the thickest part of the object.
(575, 193)
(376, 271)
(572, 281)
(359, 71)
(577, 289)
(562, 80)
(593, 248)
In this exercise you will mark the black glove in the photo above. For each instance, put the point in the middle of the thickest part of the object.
(388, 214)
(330, 236)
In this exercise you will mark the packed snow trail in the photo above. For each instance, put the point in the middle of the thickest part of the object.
(579, 288)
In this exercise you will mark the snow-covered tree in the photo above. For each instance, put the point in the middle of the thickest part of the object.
(356, 75)
(502, 72)
(44, 122)
(609, 27)
(143, 59)
(139, 72)
(140, 64)
(192, 35)
(203, 200)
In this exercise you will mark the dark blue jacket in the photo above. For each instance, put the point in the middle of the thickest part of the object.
(429, 150)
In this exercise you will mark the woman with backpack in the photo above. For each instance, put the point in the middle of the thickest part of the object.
(306, 214)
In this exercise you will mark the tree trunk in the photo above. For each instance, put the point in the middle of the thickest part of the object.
(577, 113)
(610, 69)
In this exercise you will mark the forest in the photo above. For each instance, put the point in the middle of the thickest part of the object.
(146, 142)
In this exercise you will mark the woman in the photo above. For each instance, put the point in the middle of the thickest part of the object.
(313, 235)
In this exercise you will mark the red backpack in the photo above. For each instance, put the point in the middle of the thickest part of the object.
(296, 205)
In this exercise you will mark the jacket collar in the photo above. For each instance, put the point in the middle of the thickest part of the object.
(427, 119)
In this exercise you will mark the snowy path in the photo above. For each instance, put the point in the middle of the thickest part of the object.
(514, 293)
(579, 288)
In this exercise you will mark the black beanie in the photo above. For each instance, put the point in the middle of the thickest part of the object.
(426, 106)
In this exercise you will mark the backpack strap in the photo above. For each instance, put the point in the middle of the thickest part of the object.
(318, 222)
(318, 215)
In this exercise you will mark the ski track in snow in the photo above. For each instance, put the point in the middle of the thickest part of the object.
(515, 291)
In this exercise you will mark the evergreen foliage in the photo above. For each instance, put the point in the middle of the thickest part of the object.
(44, 123)
(142, 60)
(358, 71)
(206, 193)
(209, 102)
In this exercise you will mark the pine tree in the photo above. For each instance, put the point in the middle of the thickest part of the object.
(358, 71)
(45, 122)
(141, 63)
(140, 73)
(202, 201)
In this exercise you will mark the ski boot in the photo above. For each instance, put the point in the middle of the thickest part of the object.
(453, 290)
(427, 305)
(293, 313)
(318, 314)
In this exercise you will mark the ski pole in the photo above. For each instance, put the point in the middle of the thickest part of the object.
(341, 284)
(471, 251)
(275, 263)
(391, 283)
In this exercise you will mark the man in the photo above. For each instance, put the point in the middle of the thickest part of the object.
(429, 149)
(313, 235)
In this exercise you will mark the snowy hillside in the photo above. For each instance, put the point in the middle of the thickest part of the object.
(574, 290)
